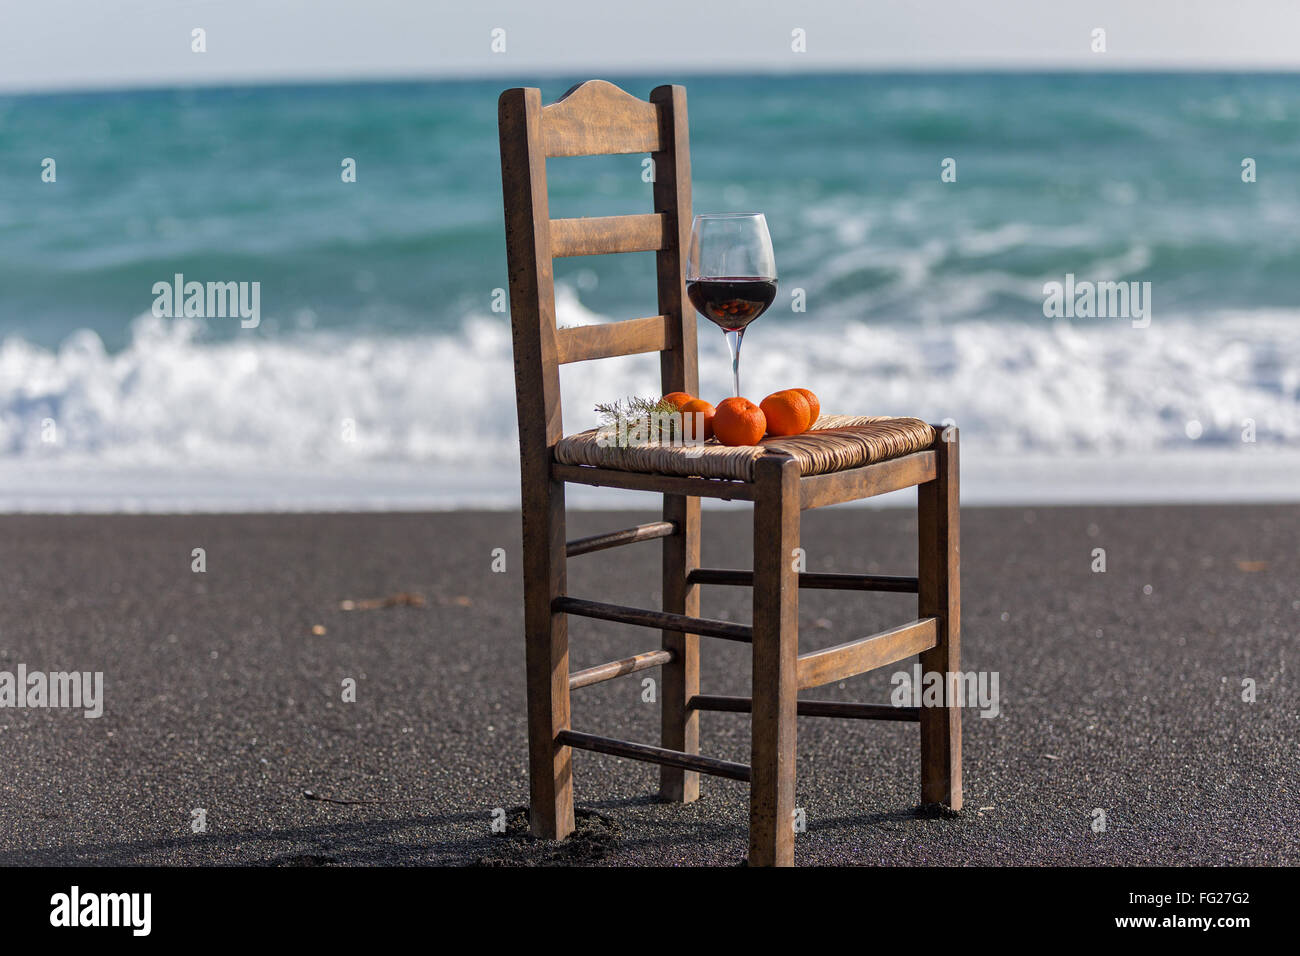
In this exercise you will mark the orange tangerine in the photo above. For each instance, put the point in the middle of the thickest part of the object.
(678, 399)
(701, 407)
(787, 412)
(813, 404)
(738, 421)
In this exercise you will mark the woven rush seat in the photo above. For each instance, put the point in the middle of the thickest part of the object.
(835, 443)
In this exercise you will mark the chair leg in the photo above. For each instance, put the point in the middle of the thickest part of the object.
(550, 768)
(776, 662)
(939, 595)
(681, 678)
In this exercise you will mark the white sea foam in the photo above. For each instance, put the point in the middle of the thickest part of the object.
(177, 422)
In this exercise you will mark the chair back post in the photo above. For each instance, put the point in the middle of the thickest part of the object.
(532, 280)
(678, 371)
(537, 393)
(678, 365)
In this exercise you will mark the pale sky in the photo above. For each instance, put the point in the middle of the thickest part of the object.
(75, 44)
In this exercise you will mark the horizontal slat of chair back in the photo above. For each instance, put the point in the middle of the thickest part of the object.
(604, 235)
(617, 338)
(596, 118)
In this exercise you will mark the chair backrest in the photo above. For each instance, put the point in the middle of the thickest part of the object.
(594, 118)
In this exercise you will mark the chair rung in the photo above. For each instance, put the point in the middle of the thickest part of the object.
(612, 539)
(867, 653)
(811, 708)
(612, 669)
(809, 579)
(664, 620)
(669, 758)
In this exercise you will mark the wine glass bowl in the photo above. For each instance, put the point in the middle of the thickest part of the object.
(731, 274)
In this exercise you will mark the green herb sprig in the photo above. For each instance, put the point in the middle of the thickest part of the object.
(629, 420)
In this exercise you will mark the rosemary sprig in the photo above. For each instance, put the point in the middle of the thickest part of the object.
(635, 420)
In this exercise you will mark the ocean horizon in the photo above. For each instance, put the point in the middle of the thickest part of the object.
(917, 220)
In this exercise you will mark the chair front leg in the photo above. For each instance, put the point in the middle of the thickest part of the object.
(776, 662)
(681, 678)
(939, 596)
(550, 765)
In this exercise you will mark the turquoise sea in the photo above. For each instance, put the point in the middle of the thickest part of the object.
(377, 296)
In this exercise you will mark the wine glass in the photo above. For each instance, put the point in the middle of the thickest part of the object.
(731, 274)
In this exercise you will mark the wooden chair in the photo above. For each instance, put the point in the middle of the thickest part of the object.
(780, 478)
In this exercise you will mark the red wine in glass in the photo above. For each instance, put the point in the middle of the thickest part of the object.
(731, 302)
(731, 274)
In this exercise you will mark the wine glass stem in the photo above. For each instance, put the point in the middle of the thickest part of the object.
(733, 343)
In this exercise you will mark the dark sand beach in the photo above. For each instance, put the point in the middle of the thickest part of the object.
(219, 695)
